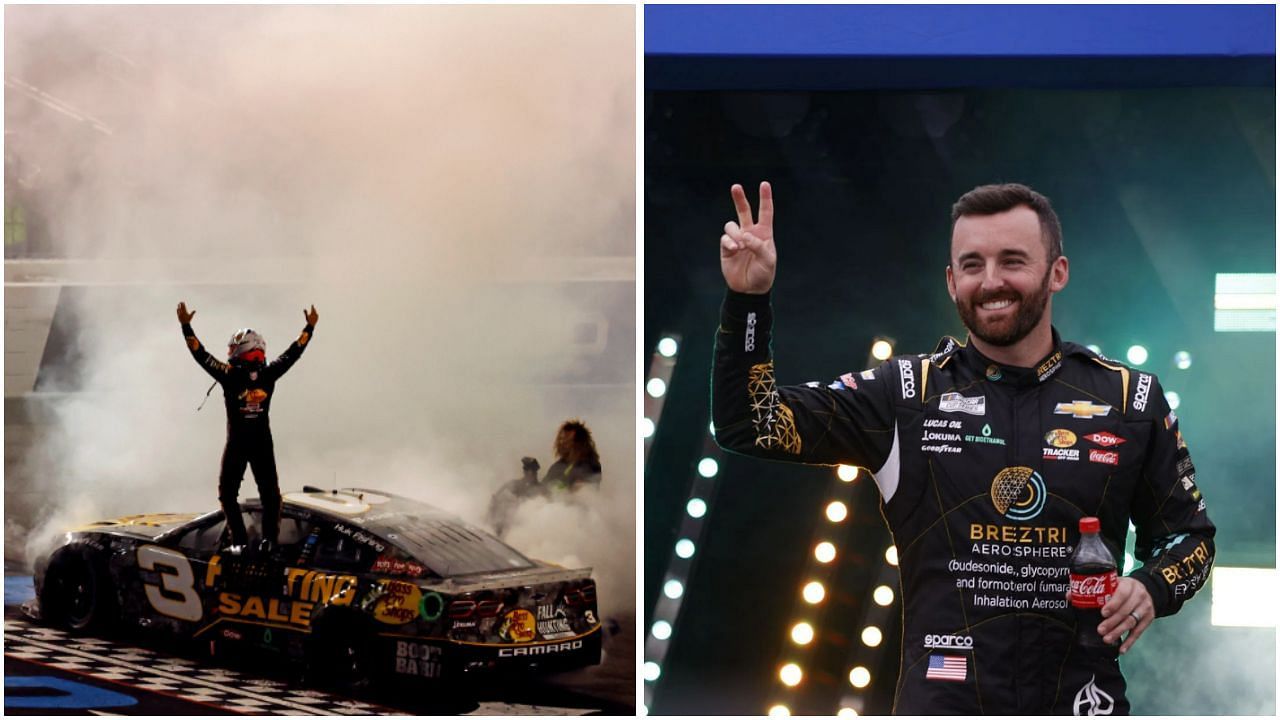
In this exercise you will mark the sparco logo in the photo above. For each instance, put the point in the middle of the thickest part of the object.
(1090, 700)
(751, 332)
(908, 379)
(948, 642)
(1140, 395)
(540, 649)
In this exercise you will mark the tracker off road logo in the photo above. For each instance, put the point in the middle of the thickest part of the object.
(1018, 493)
(1090, 700)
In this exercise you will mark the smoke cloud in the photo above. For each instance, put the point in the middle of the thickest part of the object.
(439, 181)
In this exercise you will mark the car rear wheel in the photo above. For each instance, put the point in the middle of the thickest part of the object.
(76, 594)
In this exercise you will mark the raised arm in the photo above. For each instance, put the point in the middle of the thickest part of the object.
(281, 365)
(850, 420)
(216, 368)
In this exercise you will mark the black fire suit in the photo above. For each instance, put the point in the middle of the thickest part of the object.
(247, 388)
(984, 471)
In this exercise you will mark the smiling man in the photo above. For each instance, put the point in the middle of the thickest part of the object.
(987, 454)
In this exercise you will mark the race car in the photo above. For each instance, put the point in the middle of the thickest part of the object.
(362, 585)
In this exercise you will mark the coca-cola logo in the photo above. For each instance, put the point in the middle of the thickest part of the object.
(1092, 591)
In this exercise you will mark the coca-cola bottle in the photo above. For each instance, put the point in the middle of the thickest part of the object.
(1093, 582)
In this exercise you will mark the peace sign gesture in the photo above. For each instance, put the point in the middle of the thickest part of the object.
(748, 258)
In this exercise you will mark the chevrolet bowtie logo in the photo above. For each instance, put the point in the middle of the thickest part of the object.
(1081, 409)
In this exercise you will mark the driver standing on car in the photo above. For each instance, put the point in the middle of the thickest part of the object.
(248, 382)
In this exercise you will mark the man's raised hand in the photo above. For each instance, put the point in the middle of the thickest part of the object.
(311, 316)
(748, 258)
(184, 317)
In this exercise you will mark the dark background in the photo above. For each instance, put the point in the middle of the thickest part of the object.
(1159, 185)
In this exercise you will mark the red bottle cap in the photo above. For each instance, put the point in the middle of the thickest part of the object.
(1089, 525)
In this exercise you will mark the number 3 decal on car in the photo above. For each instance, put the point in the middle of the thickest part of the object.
(176, 578)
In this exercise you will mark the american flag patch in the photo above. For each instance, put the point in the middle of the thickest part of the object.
(947, 667)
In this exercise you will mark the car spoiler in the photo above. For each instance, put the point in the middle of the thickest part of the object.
(510, 578)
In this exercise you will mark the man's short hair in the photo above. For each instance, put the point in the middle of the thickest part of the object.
(992, 199)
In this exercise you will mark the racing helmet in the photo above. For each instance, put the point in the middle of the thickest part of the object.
(247, 345)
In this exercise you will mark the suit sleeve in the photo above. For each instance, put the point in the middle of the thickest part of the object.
(281, 365)
(849, 421)
(1174, 533)
(216, 368)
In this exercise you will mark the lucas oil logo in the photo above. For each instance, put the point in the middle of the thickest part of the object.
(1018, 493)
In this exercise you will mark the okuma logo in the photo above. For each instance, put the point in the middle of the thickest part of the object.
(1018, 493)
(1091, 700)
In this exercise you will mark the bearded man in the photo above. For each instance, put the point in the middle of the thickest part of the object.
(986, 453)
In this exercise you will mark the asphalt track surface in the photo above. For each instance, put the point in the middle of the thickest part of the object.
(48, 672)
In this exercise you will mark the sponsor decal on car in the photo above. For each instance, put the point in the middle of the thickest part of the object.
(418, 659)
(518, 626)
(1105, 439)
(1109, 457)
(1060, 438)
(955, 402)
(395, 566)
(397, 602)
(532, 650)
(553, 623)
(1144, 390)
(360, 536)
(1082, 409)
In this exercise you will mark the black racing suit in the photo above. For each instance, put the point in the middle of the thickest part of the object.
(247, 388)
(984, 471)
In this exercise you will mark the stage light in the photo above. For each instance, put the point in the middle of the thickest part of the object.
(652, 671)
(791, 674)
(1244, 597)
(802, 633)
(684, 548)
(646, 428)
(667, 347)
(814, 592)
(708, 467)
(883, 595)
(847, 473)
(661, 630)
(1173, 398)
(779, 711)
(846, 712)
(891, 555)
(837, 511)
(1094, 349)
(859, 677)
(825, 552)
(1182, 360)
(871, 636)
(881, 350)
(656, 387)
(673, 589)
(696, 507)
(1136, 354)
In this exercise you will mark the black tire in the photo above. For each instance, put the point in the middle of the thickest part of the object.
(77, 593)
(340, 653)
